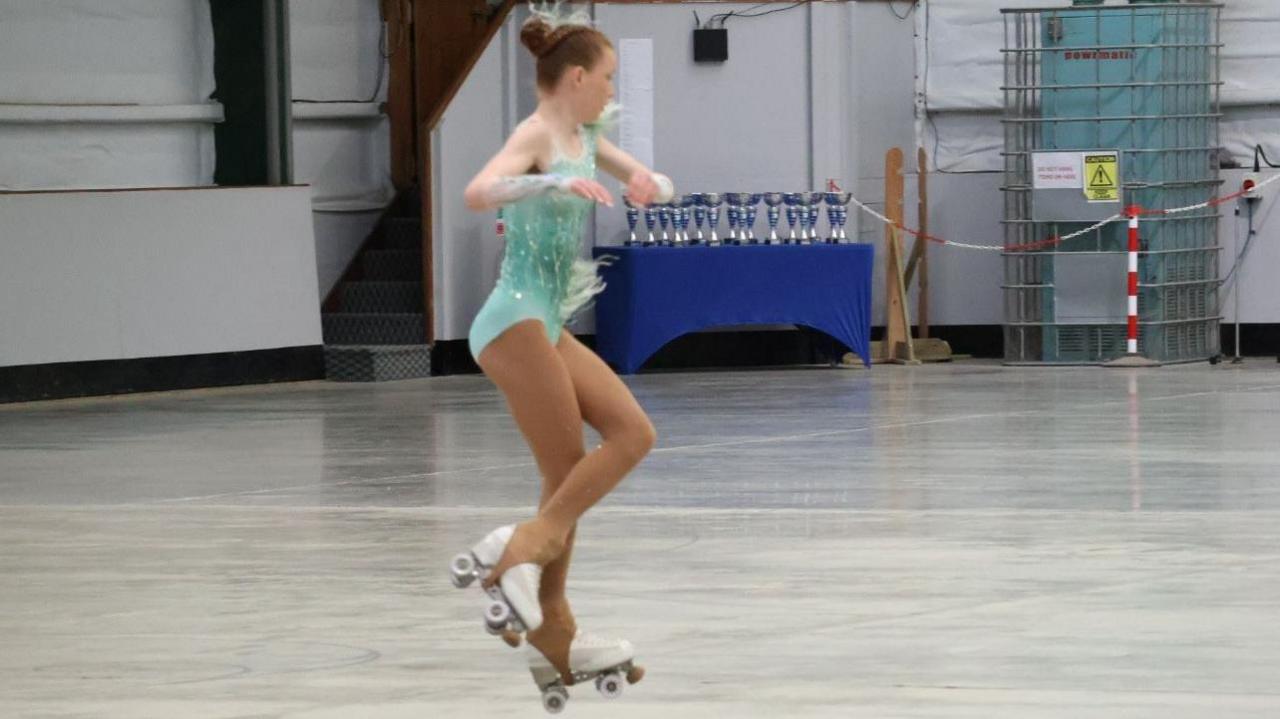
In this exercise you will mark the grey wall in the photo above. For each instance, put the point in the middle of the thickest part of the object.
(819, 92)
(340, 135)
(467, 252)
(106, 94)
(764, 120)
(155, 273)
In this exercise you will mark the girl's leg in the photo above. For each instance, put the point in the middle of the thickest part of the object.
(607, 405)
(626, 433)
(539, 391)
(549, 392)
(545, 390)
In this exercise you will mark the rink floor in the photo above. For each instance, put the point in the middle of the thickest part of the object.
(962, 540)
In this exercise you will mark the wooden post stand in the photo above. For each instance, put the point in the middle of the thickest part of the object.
(898, 345)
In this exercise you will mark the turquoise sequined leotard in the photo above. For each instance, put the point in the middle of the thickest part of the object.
(542, 276)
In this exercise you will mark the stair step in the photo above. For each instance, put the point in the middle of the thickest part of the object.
(373, 297)
(368, 328)
(401, 233)
(391, 265)
(376, 363)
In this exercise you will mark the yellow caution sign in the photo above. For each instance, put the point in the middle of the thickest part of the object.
(1102, 177)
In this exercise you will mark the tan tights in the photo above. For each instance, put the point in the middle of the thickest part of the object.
(551, 391)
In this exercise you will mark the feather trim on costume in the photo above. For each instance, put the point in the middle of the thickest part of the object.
(584, 284)
(557, 15)
(608, 119)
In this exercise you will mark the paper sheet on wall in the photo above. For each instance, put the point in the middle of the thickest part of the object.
(635, 93)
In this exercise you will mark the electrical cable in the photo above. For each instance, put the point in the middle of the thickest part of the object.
(383, 56)
(724, 16)
(1244, 251)
(913, 4)
(1257, 150)
(937, 139)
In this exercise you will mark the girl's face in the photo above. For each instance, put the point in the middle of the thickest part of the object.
(592, 90)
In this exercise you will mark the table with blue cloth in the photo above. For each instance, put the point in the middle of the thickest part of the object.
(655, 294)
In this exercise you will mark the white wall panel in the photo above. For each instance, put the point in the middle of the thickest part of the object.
(132, 274)
(106, 94)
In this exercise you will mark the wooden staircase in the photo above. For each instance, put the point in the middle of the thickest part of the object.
(379, 318)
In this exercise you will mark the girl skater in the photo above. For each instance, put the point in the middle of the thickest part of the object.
(544, 179)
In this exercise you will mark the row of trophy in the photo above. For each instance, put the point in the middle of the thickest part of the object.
(802, 209)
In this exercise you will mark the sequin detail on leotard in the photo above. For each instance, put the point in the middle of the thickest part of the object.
(543, 276)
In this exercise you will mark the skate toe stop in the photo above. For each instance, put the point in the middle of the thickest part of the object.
(635, 674)
(512, 638)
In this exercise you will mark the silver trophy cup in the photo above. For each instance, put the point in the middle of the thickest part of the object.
(802, 212)
(664, 219)
(737, 216)
(815, 211)
(687, 203)
(713, 201)
(699, 218)
(792, 201)
(753, 207)
(633, 218)
(838, 214)
(773, 201)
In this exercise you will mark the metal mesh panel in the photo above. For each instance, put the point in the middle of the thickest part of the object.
(1142, 80)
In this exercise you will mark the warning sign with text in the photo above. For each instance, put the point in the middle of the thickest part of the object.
(1056, 170)
(1102, 177)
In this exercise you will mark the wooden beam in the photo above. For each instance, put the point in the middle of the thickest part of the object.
(920, 251)
(399, 108)
(897, 345)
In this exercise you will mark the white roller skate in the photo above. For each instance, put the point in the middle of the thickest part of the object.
(609, 662)
(513, 602)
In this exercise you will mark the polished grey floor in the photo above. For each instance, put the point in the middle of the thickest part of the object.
(958, 540)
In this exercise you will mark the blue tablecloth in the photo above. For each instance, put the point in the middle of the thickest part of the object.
(655, 294)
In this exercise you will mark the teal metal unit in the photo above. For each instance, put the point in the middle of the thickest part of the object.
(1143, 80)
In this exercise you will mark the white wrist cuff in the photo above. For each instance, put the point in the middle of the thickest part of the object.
(666, 188)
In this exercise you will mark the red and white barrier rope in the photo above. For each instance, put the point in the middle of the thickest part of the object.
(1135, 244)
(1054, 241)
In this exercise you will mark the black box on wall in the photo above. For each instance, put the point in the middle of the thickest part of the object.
(711, 45)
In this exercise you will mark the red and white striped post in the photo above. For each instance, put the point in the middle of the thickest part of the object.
(1133, 280)
(1131, 357)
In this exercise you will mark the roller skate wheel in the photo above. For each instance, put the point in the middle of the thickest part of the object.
(462, 570)
(635, 674)
(497, 616)
(553, 700)
(609, 685)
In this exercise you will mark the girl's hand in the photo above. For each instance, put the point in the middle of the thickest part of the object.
(590, 190)
(642, 189)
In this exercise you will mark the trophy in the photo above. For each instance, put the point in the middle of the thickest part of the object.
(792, 200)
(664, 219)
(815, 210)
(650, 219)
(699, 216)
(734, 211)
(737, 216)
(753, 206)
(633, 218)
(802, 212)
(838, 214)
(773, 201)
(677, 223)
(686, 204)
(712, 201)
